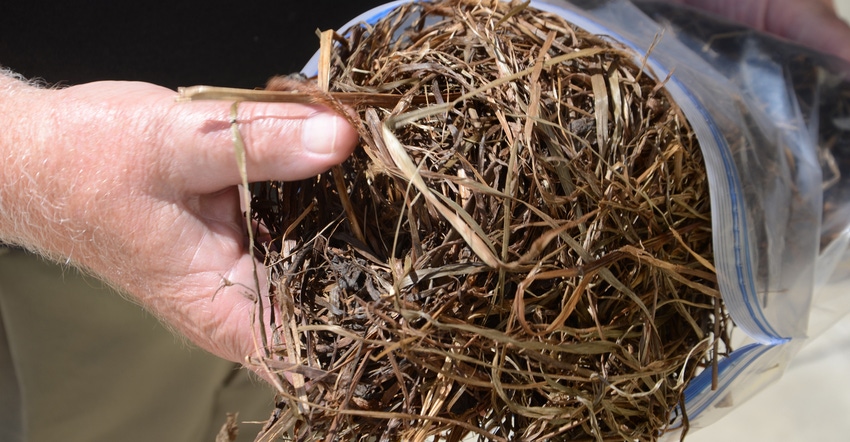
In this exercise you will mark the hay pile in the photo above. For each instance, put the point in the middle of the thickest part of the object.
(521, 250)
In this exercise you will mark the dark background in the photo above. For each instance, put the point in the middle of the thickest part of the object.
(171, 43)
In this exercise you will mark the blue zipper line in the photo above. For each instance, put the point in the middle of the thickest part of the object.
(383, 11)
(699, 387)
(741, 236)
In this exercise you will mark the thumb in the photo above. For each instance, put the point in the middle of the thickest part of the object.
(811, 23)
(814, 25)
(283, 141)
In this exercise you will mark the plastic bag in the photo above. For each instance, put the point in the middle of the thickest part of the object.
(788, 143)
(773, 121)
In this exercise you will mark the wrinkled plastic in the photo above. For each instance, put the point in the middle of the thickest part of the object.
(773, 121)
(790, 149)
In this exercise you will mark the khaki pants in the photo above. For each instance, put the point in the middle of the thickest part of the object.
(79, 363)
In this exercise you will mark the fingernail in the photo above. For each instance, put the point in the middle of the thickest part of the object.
(319, 133)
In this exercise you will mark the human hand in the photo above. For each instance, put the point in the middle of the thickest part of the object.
(121, 180)
(812, 23)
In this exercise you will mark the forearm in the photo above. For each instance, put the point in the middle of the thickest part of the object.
(59, 194)
(22, 208)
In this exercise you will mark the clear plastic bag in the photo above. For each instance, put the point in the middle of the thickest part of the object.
(786, 130)
(773, 121)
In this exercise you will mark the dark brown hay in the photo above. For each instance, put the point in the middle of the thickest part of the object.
(534, 256)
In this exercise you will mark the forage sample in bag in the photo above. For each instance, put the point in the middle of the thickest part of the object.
(555, 211)
(527, 251)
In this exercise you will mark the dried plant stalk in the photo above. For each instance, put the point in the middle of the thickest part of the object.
(534, 260)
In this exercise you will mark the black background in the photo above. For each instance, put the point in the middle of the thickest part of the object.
(171, 43)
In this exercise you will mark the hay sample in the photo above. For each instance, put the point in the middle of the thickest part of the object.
(522, 249)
